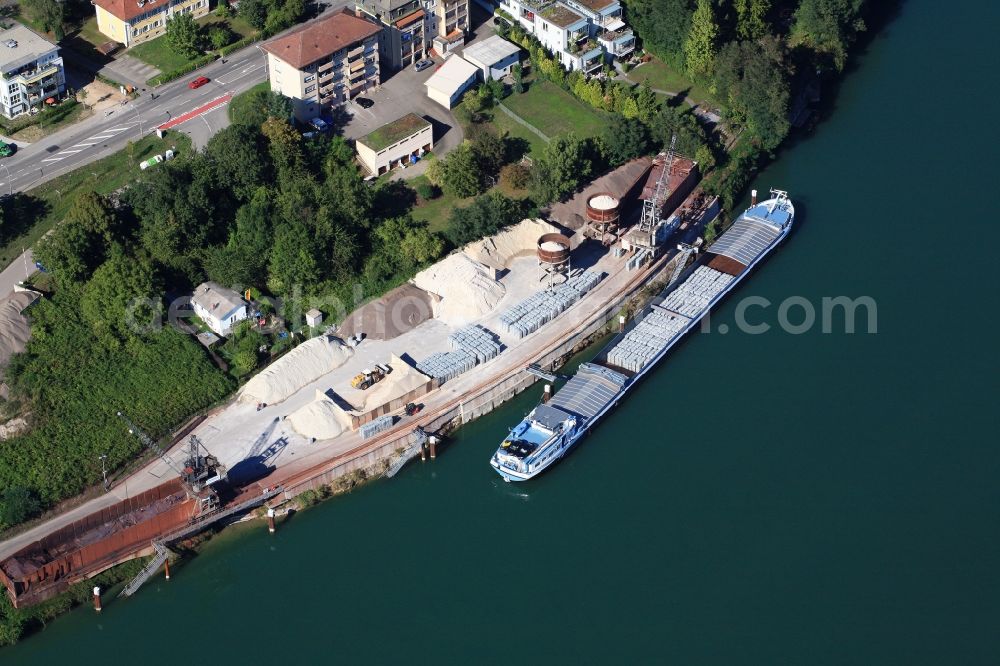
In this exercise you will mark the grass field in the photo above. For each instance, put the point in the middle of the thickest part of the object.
(663, 77)
(554, 111)
(436, 211)
(157, 52)
(49, 202)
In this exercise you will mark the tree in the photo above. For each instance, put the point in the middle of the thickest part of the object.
(405, 244)
(220, 35)
(121, 298)
(518, 72)
(293, 259)
(626, 140)
(17, 504)
(50, 14)
(240, 159)
(254, 107)
(459, 174)
(487, 215)
(79, 245)
(699, 49)
(243, 260)
(490, 151)
(827, 27)
(752, 77)
(751, 18)
(663, 26)
(285, 147)
(646, 103)
(253, 12)
(183, 35)
(679, 120)
(563, 165)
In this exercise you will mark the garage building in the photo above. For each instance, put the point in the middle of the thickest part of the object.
(395, 144)
(451, 80)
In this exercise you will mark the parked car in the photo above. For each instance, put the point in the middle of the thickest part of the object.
(421, 65)
(364, 102)
(319, 124)
(198, 83)
(7, 149)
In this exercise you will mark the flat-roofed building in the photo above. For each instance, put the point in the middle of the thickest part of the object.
(395, 144)
(404, 38)
(324, 62)
(31, 71)
(447, 85)
(132, 22)
(494, 56)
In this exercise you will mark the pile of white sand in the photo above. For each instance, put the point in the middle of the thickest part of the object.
(403, 379)
(518, 240)
(465, 289)
(321, 418)
(302, 365)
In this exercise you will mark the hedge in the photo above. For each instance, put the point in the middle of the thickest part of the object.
(166, 77)
(240, 43)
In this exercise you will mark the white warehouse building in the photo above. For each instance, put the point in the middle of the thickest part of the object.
(495, 56)
(447, 85)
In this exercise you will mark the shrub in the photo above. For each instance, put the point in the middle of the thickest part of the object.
(515, 176)
(427, 191)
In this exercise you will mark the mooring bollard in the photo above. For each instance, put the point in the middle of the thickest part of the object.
(270, 520)
(97, 599)
(432, 440)
(166, 569)
(621, 323)
(423, 453)
(548, 393)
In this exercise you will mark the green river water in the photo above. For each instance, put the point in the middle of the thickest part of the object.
(760, 499)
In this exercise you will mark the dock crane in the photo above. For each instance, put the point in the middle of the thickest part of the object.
(651, 208)
(199, 471)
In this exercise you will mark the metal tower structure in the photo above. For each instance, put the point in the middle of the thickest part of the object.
(651, 207)
(150, 444)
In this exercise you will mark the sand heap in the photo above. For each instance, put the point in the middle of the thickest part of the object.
(519, 240)
(322, 418)
(403, 379)
(465, 289)
(304, 364)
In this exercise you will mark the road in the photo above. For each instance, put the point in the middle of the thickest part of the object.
(104, 134)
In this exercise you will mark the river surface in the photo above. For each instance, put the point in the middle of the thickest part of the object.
(774, 498)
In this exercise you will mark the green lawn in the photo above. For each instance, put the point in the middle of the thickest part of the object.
(157, 52)
(50, 201)
(554, 111)
(663, 77)
(436, 211)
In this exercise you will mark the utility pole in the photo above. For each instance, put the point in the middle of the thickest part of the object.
(104, 470)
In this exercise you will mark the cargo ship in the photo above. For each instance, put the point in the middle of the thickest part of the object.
(551, 429)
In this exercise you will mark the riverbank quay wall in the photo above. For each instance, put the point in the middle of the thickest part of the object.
(372, 458)
(93, 544)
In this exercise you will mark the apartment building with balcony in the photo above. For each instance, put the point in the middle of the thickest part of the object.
(31, 71)
(583, 34)
(324, 63)
(132, 22)
(404, 38)
(451, 23)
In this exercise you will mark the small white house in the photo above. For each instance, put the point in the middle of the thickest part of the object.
(314, 318)
(495, 56)
(451, 80)
(218, 307)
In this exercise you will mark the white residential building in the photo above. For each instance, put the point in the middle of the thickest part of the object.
(31, 71)
(495, 56)
(583, 34)
(218, 307)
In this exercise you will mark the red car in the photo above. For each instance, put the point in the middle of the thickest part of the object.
(198, 83)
